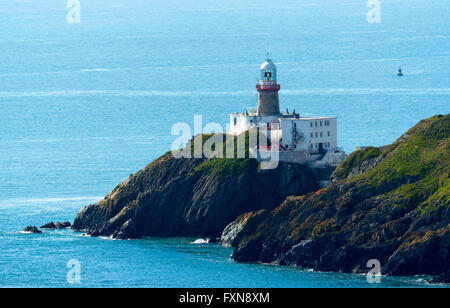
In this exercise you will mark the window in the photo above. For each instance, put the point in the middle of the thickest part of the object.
(251, 121)
(316, 134)
(234, 121)
(316, 123)
(312, 135)
(328, 133)
(311, 124)
(295, 125)
(321, 134)
(320, 123)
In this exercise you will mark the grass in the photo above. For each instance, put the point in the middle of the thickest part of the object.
(420, 161)
(225, 164)
(355, 160)
(227, 167)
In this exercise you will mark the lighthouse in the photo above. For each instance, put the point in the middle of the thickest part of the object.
(299, 139)
(267, 87)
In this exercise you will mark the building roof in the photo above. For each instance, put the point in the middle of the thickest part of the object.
(268, 65)
(316, 118)
(284, 116)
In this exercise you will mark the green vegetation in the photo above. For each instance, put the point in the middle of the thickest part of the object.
(226, 163)
(355, 160)
(224, 142)
(227, 167)
(418, 164)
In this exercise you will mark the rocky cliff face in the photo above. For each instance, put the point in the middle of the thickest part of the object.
(191, 197)
(393, 206)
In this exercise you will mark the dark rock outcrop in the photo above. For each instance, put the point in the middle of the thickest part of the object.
(245, 223)
(357, 163)
(191, 197)
(58, 225)
(444, 278)
(394, 208)
(50, 225)
(32, 229)
(63, 225)
(391, 204)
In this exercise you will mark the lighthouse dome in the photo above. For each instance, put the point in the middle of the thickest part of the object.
(268, 65)
(268, 72)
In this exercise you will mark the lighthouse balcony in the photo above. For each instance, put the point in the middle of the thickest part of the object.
(268, 87)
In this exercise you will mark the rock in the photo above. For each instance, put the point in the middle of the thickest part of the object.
(32, 229)
(58, 225)
(232, 234)
(49, 225)
(391, 205)
(191, 197)
(357, 163)
(444, 278)
(395, 209)
(63, 225)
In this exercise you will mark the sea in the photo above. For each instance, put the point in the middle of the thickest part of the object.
(91, 89)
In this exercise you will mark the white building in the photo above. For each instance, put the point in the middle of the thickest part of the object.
(299, 139)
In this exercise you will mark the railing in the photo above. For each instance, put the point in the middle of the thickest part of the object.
(274, 148)
(275, 87)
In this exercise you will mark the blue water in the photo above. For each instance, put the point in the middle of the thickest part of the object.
(82, 106)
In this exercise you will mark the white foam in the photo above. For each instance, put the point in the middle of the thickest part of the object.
(200, 241)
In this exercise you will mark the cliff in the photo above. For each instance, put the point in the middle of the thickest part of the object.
(390, 205)
(191, 197)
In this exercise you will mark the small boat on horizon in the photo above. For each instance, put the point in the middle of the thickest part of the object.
(400, 73)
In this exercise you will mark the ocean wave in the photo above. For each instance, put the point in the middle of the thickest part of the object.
(87, 70)
(117, 93)
(155, 93)
(20, 201)
(200, 241)
(46, 200)
(370, 91)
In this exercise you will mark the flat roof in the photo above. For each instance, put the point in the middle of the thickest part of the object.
(316, 118)
(284, 116)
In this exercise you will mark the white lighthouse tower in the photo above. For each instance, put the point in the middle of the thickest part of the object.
(298, 139)
(267, 87)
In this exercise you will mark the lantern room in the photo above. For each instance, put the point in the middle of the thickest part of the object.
(268, 72)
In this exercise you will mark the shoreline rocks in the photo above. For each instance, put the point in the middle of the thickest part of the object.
(32, 229)
(391, 205)
(395, 209)
(49, 225)
(442, 279)
(191, 197)
(58, 225)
